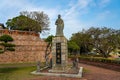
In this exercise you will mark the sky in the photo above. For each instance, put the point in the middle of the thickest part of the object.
(77, 14)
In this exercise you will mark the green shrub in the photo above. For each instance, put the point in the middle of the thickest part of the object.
(6, 38)
(99, 59)
(1, 51)
(11, 49)
(7, 44)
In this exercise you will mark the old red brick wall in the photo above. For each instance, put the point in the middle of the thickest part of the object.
(29, 47)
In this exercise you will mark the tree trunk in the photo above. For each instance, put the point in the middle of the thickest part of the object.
(47, 52)
(103, 53)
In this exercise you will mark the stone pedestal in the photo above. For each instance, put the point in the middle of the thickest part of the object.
(59, 54)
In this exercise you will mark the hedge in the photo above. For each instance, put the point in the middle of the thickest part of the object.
(98, 59)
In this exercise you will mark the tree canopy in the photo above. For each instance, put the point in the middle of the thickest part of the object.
(72, 47)
(40, 17)
(104, 40)
(23, 23)
(7, 46)
(49, 39)
(29, 21)
(6, 38)
(82, 40)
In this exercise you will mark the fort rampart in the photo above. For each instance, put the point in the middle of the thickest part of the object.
(29, 47)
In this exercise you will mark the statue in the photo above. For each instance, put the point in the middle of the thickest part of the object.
(60, 26)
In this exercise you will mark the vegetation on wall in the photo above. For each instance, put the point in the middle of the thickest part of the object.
(29, 21)
(6, 38)
(4, 42)
(48, 48)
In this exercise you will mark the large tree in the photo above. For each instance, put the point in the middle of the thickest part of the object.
(40, 17)
(73, 48)
(23, 23)
(82, 40)
(29, 21)
(104, 40)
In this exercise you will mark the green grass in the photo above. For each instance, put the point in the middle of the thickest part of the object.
(16, 72)
(118, 59)
(85, 70)
(17, 65)
(20, 71)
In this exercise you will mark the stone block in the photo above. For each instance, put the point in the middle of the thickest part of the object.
(29, 47)
(63, 54)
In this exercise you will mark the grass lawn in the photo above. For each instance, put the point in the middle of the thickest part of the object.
(20, 71)
(17, 71)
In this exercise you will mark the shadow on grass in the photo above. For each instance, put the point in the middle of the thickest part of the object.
(16, 73)
(7, 70)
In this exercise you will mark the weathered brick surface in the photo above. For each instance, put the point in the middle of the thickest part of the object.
(29, 47)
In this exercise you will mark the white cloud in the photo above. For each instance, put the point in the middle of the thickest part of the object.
(13, 4)
(11, 8)
(103, 3)
(21, 5)
(71, 15)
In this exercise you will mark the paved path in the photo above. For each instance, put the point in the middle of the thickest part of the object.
(91, 73)
(97, 73)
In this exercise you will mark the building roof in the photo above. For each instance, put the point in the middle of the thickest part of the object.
(2, 25)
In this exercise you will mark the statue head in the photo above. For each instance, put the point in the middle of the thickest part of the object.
(59, 16)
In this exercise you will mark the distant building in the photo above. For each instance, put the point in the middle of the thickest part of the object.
(2, 26)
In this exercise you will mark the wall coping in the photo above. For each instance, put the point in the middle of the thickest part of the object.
(18, 32)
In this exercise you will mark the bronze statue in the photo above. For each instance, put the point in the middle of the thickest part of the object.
(60, 26)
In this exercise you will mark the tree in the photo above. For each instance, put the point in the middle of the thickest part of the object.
(82, 40)
(40, 17)
(6, 39)
(105, 40)
(23, 23)
(49, 39)
(2, 25)
(29, 21)
(48, 48)
(72, 47)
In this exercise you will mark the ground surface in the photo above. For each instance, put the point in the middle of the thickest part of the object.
(97, 73)
(22, 72)
(91, 73)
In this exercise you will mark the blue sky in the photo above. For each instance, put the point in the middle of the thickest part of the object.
(77, 14)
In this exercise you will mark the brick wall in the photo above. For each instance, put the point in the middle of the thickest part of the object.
(29, 47)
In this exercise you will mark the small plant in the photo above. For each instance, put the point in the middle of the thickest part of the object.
(7, 46)
(1, 51)
(6, 38)
(11, 49)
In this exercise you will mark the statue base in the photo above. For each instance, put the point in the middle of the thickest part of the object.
(59, 54)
